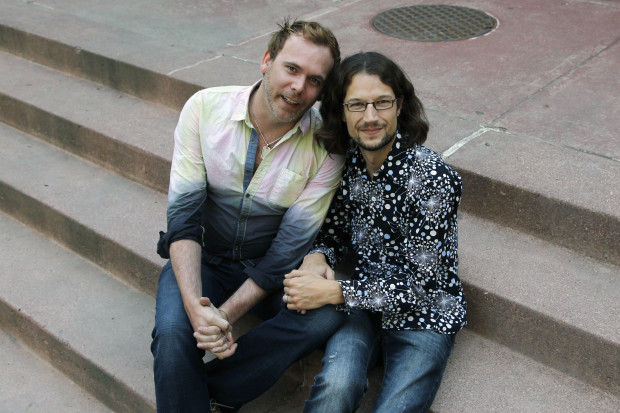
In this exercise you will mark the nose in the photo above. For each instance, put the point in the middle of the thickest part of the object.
(370, 113)
(298, 84)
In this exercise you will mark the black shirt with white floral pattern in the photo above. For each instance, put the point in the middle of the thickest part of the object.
(402, 228)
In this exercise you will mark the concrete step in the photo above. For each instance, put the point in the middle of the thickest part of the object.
(543, 300)
(86, 323)
(483, 376)
(523, 286)
(132, 61)
(112, 221)
(31, 384)
(95, 329)
(553, 192)
(123, 133)
(520, 180)
(525, 301)
(91, 326)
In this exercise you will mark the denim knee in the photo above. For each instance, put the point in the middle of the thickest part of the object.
(414, 363)
(341, 375)
(173, 340)
(342, 383)
(177, 361)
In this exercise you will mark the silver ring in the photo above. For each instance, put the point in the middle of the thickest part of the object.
(286, 299)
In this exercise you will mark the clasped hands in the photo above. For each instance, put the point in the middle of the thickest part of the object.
(309, 287)
(213, 332)
(305, 289)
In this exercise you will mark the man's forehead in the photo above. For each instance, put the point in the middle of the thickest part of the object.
(303, 53)
(366, 84)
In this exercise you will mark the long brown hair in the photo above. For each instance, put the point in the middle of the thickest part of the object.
(412, 122)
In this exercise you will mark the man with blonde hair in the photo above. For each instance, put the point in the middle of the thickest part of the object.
(249, 189)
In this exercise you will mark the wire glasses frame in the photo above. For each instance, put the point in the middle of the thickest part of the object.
(381, 104)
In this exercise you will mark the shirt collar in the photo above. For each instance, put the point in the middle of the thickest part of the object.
(356, 154)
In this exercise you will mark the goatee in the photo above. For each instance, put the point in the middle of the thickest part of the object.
(387, 139)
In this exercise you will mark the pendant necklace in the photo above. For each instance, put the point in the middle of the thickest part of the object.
(267, 148)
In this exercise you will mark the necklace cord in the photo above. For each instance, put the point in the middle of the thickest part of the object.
(260, 132)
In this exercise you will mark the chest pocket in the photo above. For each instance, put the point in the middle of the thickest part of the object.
(287, 189)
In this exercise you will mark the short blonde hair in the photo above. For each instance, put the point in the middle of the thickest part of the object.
(313, 31)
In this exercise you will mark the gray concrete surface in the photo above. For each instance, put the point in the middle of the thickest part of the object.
(527, 114)
(30, 384)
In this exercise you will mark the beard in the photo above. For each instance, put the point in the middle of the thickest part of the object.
(385, 141)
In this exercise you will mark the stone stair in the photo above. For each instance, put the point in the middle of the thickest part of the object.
(86, 121)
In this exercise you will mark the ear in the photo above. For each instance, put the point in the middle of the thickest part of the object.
(265, 62)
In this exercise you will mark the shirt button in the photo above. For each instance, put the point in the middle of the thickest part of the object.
(247, 195)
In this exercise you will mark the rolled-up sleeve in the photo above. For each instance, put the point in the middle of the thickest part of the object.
(187, 192)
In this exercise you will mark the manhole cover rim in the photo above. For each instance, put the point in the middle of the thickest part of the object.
(486, 23)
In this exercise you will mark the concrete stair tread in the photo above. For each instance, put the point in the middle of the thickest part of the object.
(113, 207)
(172, 66)
(65, 301)
(491, 155)
(483, 376)
(539, 187)
(30, 384)
(548, 302)
(488, 161)
(52, 176)
(105, 39)
(477, 378)
(75, 309)
(118, 116)
(546, 298)
(547, 278)
(545, 168)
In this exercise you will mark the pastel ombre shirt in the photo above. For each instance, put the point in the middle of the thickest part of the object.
(269, 218)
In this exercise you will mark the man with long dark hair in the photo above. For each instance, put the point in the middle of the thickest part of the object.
(396, 210)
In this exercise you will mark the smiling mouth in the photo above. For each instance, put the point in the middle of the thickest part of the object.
(371, 130)
(290, 101)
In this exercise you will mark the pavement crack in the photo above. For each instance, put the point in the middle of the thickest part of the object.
(193, 65)
(483, 129)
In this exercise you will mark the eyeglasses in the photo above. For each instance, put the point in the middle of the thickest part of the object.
(382, 104)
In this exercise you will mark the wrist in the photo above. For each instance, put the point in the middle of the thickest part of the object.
(315, 257)
(193, 306)
(224, 314)
(336, 296)
(228, 312)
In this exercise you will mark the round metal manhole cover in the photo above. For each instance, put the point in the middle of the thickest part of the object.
(434, 23)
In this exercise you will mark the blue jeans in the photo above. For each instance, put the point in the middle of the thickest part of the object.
(414, 362)
(182, 381)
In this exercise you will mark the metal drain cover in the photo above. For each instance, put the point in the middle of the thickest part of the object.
(433, 23)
